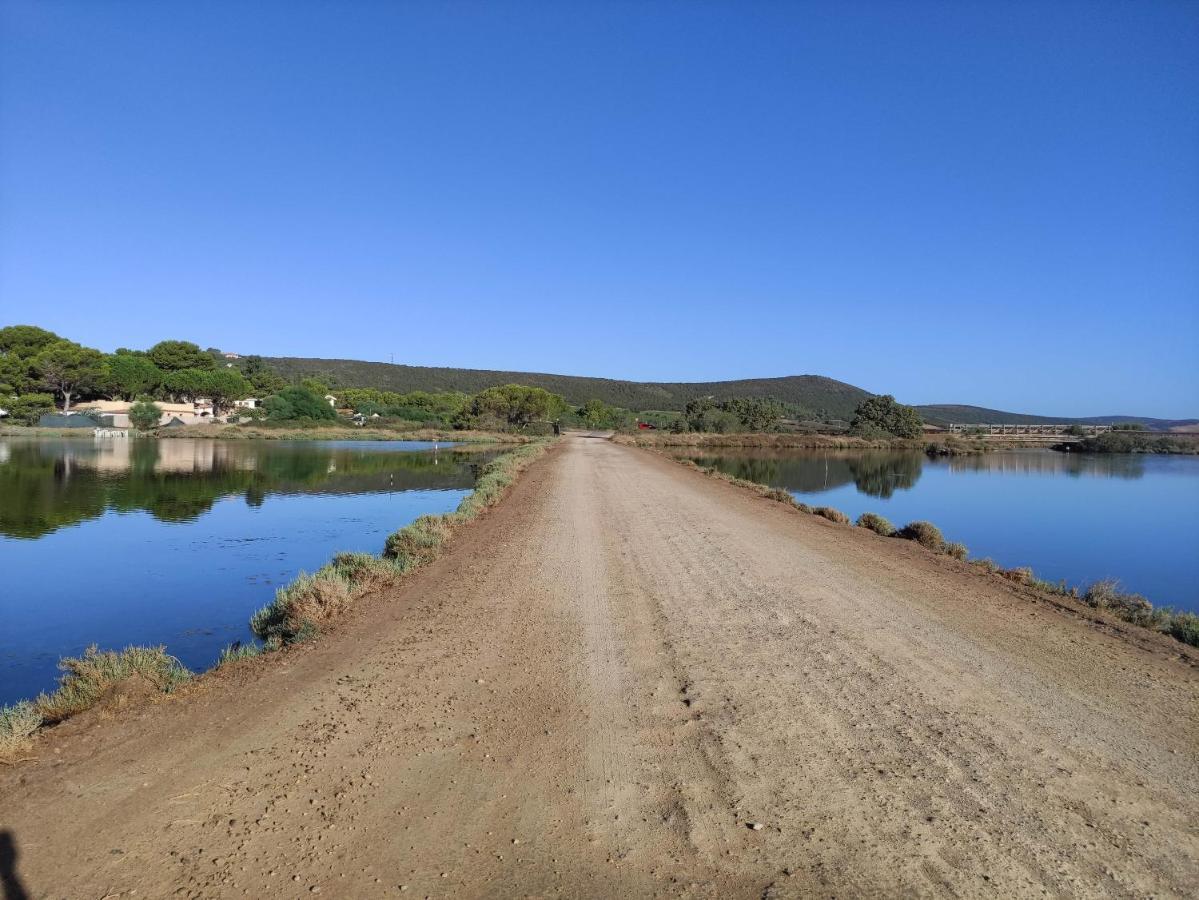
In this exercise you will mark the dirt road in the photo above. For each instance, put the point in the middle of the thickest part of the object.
(629, 680)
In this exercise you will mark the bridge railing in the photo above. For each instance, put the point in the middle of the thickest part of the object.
(986, 428)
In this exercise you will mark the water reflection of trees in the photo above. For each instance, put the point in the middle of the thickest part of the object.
(45, 486)
(880, 473)
(877, 473)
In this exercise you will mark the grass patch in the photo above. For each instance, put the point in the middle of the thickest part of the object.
(96, 677)
(956, 549)
(833, 515)
(876, 523)
(238, 651)
(926, 534)
(299, 608)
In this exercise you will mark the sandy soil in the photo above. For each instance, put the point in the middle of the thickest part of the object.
(633, 680)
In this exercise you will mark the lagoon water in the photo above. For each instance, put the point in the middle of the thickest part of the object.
(1069, 516)
(176, 542)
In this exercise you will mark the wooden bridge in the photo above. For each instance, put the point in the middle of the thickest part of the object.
(1025, 429)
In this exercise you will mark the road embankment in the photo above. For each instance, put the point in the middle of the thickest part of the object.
(632, 679)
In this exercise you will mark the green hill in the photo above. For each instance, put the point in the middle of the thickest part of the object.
(811, 393)
(945, 413)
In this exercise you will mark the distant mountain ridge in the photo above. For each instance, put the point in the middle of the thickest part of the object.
(814, 394)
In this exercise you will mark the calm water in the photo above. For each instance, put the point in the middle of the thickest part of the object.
(176, 542)
(1069, 516)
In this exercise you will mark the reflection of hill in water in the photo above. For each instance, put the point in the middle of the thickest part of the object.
(47, 485)
(880, 473)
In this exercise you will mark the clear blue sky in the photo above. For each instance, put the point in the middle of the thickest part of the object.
(992, 203)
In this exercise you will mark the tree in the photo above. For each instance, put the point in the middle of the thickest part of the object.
(883, 416)
(755, 413)
(68, 368)
(597, 414)
(28, 408)
(172, 356)
(518, 404)
(222, 387)
(14, 374)
(145, 414)
(298, 403)
(25, 340)
(318, 386)
(126, 375)
(267, 382)
(183, 384)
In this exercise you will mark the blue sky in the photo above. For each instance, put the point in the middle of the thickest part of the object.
(993, 203)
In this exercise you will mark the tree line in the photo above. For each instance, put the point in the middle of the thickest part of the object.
(38, 368)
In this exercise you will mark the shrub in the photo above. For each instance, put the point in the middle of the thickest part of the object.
(145, 415)
(298, 403)
(87, 679)
(802, 507)
(833, 515)
(1106, 594)
(17, 725)
(780, 496)
(926, 534)
(876, 523)
(1183, 626)
(957, 550)
(987, 565)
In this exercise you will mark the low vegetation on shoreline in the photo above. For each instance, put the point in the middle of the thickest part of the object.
(296, 614)
(779, 441)
(1103, 595)
(340, 433)
(1134, 442)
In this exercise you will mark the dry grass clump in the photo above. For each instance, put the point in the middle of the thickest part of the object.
(92, 678)
(418, 543)
(956, 549)
(876, 523)
(833, 515)
(238, 651)
(17, 724)
(299, 608)
(926, 534)
(1134, 608)
(1020, 575)
(1106, 594)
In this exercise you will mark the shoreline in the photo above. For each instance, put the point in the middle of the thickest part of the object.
(294, 616)
(622, 637)
(258, 432)
(1103, 595)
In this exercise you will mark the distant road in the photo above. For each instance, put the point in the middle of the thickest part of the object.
(632, 680)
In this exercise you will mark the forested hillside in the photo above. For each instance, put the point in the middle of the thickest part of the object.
(818, 396)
